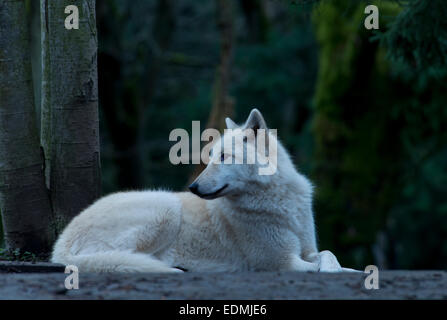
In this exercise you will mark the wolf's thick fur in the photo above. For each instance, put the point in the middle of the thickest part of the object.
(241, 221)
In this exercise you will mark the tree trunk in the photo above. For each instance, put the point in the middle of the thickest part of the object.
(24, 201)
(36, 59)
(255, 19)
(222, 104)
(70, 128)
(45, 109)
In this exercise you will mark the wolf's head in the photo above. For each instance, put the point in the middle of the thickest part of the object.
(246, 157)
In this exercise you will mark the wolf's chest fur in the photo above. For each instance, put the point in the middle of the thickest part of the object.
(211, 236)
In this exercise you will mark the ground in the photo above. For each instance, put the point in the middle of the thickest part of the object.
(256, 285)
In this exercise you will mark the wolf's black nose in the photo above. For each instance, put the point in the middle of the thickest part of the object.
(194, 187)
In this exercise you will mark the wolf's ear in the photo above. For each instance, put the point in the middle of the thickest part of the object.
(231, 124)
(255, 121)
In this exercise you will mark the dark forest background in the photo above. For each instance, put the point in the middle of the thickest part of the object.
(362, 112)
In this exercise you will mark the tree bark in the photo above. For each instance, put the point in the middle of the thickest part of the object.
(70, 128)
(45, 109)
(24, 201)
(36, 59)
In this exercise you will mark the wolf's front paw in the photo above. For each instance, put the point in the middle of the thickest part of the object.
(328, 262)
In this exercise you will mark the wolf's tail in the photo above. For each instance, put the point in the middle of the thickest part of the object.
(113, 261)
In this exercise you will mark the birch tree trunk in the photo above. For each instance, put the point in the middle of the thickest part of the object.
(70, 132)
(24, 201)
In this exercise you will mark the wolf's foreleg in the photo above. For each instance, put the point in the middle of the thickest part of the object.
(305, 231)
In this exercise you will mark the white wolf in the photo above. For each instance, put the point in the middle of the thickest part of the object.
(236, 220)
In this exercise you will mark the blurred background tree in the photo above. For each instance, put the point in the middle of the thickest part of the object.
(363, 112)
(416, 45)
(379, 127)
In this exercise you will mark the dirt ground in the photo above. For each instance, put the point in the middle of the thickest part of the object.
(262, 285)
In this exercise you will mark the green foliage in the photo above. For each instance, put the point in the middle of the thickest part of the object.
(17, 255)
(417, 46)
(417, 39)
(373, 125)
(417, 223)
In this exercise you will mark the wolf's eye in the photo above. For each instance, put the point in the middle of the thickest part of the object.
(211, 152)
